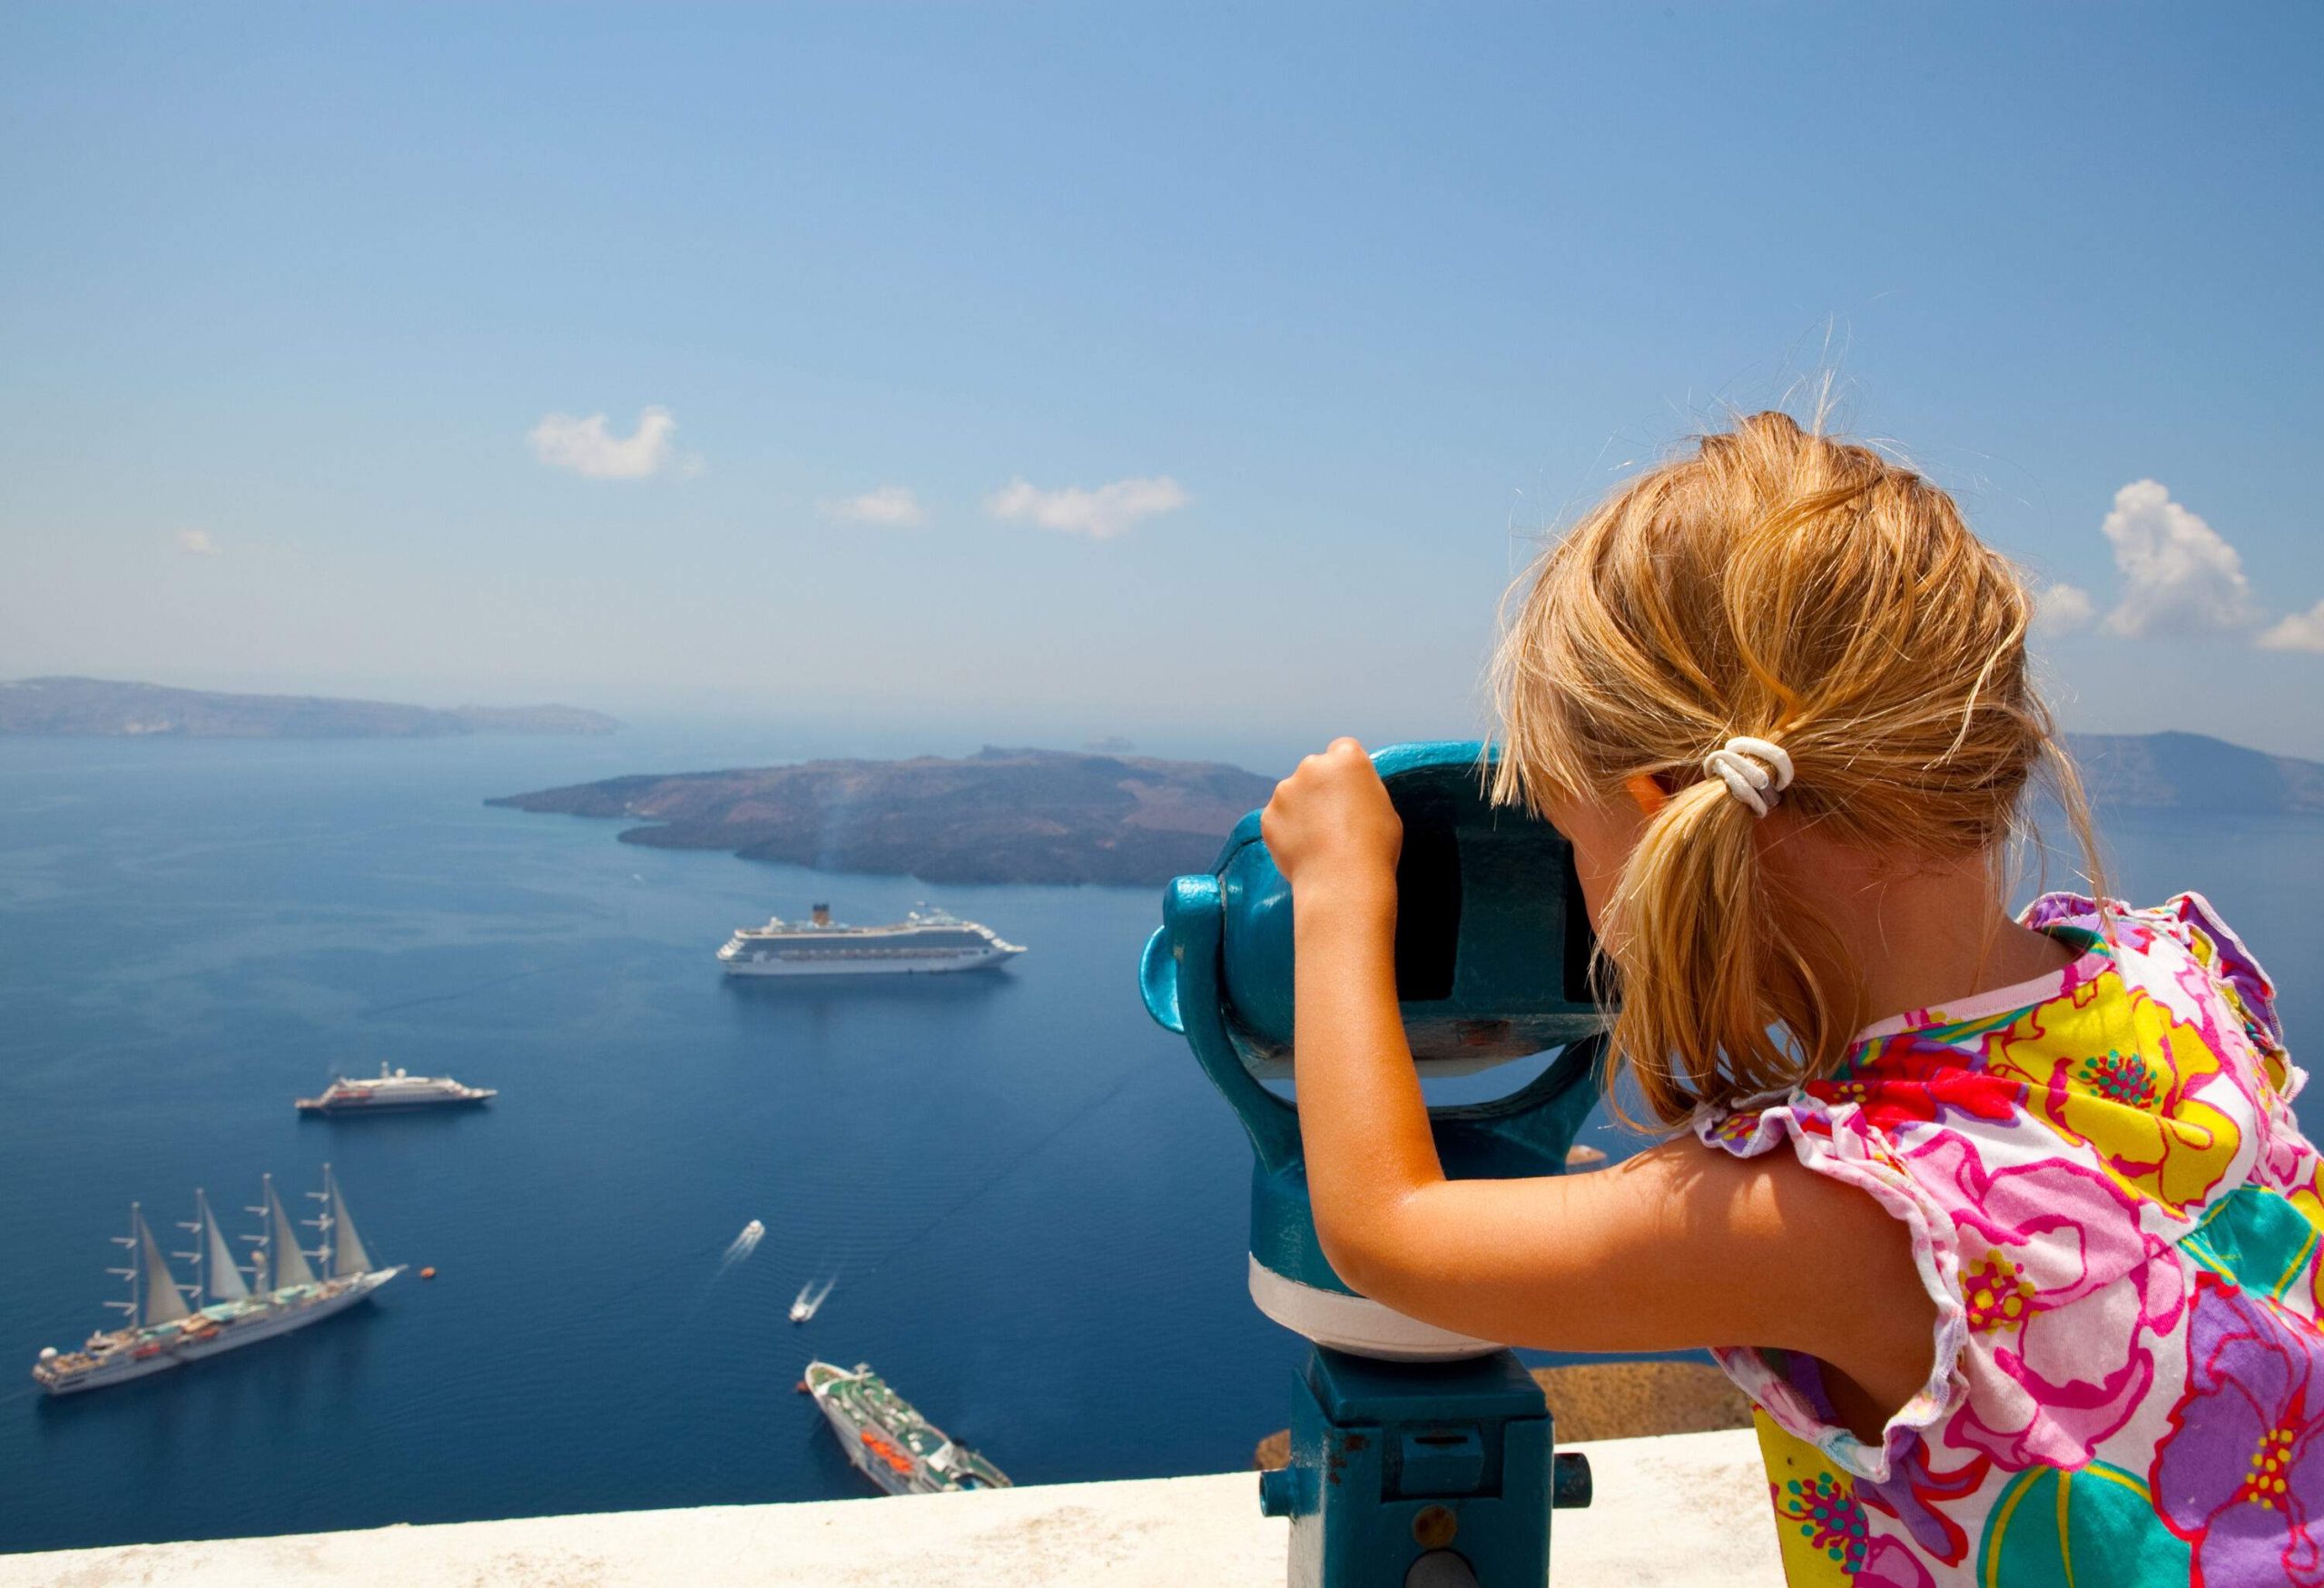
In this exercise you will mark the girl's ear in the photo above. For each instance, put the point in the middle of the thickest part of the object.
(1649, 795)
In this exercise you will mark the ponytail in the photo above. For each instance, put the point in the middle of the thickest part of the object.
(1712, 961)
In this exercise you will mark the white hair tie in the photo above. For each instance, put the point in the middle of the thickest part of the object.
(1747, 766)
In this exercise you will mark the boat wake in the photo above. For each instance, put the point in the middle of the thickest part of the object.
(742, 1245)
(810, 1299)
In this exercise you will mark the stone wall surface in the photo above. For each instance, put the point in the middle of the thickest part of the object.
(1678, 1512)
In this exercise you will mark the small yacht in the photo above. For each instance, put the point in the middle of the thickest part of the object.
(810, 1300)
(393, 1089)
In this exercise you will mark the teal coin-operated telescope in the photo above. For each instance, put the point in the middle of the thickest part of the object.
(1420, 1458)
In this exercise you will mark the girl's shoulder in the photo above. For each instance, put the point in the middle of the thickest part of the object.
(2151, 1068)
(2183, 930)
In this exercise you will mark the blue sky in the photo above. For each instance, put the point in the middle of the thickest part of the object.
(1326, 313)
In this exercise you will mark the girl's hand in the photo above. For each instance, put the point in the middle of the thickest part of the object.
(1330, 824)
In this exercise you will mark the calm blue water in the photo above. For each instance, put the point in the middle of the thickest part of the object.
(1035, 1204)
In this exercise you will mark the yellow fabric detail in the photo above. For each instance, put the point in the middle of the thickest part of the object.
(1791, 1460)
(1998, 1528)
(2310, 1199)
(2108, 1067)
(2066, 1536)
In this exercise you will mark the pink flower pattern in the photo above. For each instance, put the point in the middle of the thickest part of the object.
(2065, 1295)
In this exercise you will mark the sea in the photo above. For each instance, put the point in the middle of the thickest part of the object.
(1032, 1205)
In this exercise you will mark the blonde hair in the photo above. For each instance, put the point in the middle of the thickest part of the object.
(1783, 585)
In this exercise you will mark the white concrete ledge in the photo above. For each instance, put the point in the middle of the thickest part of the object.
(1687, 1509)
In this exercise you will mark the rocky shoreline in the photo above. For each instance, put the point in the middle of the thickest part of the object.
(998, 816)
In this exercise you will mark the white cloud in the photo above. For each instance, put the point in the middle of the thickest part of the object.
(892, 506)
(1103, 514)
(198, 542)
(2064, 607)
(2180, 578)
(2302, 631)
(587, 448)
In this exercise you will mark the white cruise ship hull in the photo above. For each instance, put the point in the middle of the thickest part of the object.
(265, 1327)
(391, 1105)
(872, 1467)
(776, 964)
(859, 1455)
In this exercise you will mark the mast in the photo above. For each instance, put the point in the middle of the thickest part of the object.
(347, 1256)
(263, 1243)
(288, 1260)
(341, 1251)
(278, 1262)
(197, 1255)
(214, 1260)
(130, 1273)
(157, 1294)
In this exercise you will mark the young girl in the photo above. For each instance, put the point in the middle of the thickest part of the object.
(2005, 1226)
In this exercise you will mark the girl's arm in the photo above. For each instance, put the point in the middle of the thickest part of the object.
(1679, 1247)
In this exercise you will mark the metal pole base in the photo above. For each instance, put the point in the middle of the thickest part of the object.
(1419, 1475)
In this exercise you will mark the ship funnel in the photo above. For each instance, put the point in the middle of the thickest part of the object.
(821, 915)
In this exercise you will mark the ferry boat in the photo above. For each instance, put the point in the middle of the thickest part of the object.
(228, 1311)
(890, 1443)
(393, 1089)
(924, 943)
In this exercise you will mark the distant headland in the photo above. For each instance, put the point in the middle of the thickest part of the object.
(996, 816)
(98, 707)
(1060, 816)
(2194, 772)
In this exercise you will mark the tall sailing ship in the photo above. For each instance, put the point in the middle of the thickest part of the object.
(171, 1324)
(924, 943)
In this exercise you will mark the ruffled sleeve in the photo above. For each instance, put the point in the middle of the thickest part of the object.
(1841, 1146)
(2192, 922)
(2189, 919)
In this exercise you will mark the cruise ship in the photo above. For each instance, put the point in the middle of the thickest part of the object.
(393, 1089)
(169, 1325)
(890, 1443)
(924, 943)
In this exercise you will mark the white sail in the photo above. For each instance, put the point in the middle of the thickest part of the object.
(224, 1279)
(347, 1253)
(287, 1261)
(157, 1286)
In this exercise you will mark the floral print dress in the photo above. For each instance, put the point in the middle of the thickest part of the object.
(2117, 1217)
